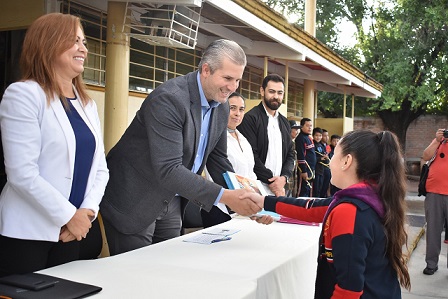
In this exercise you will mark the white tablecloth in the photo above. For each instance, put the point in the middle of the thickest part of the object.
(260, 261)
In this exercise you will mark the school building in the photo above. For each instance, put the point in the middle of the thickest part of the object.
(136, 46)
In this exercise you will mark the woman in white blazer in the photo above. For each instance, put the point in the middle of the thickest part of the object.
(53, 150)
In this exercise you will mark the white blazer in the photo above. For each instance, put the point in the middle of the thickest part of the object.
(39, 148)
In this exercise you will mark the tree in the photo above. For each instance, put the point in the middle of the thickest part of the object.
(400, 43)
(406, 50)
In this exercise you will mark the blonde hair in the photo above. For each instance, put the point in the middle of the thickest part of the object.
(48, 37)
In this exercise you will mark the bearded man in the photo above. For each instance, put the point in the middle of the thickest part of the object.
(268, 132)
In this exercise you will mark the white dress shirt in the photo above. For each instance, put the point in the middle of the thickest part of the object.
(274, 157)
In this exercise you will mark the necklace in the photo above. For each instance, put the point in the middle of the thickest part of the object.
(236, 137)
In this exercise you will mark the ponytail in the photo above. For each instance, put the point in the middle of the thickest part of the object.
(380, 160)
(392, 191)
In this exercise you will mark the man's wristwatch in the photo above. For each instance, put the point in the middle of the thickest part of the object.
(287, 179)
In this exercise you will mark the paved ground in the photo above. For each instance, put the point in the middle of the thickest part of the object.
(427, 286)
(423, 286)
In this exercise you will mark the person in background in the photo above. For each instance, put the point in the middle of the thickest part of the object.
(333, 142)
(156, 167)
(291, 186)
(240, 155)
(446, 231)
(363, 228)
(54, 154)
(268, 132)
(324, 190)
(239, 151)
(306, 157)
(321, 162)
(295, 127)
(436, 201)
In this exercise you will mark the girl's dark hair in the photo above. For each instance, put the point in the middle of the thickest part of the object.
(380, 162)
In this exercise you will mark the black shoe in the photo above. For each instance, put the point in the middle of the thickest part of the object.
(429, 271)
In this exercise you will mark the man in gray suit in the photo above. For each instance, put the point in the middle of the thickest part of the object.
(157, 164)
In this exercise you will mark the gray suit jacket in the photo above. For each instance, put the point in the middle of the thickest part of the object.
(152, 162)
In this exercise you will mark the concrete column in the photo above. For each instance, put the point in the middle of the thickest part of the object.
(286, 85)
(308, 86)
(344, 107)
(117, 75)
(353, 107)
(265, 66)
(308, 99)
(310, 17)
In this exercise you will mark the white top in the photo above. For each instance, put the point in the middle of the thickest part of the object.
(274, 157)
(241, 158)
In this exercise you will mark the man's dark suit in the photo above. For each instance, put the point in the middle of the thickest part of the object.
(152, 162)
(255, 128)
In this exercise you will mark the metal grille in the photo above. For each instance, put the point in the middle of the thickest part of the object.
(164, 25)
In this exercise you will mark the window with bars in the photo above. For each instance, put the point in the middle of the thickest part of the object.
(251, 82)
(151, 65)
(94, 24)
(295, 99)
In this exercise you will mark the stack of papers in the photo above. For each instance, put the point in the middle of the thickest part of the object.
(213, 235)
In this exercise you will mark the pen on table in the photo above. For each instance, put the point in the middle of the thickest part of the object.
(222, 239)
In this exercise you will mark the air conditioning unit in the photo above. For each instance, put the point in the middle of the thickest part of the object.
(167, 24)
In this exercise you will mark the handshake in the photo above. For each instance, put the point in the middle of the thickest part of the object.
(245, 203)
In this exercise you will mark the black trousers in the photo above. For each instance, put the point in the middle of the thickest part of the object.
(19, 256)
(214, 217)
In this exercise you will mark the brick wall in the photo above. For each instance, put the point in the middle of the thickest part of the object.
(368, 123)
(419, 135)
(423, 128)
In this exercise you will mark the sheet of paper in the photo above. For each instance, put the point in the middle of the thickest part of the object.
(218, 231)
(212, 235)
(207, 239)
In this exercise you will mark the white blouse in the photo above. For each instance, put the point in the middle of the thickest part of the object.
(241, 158)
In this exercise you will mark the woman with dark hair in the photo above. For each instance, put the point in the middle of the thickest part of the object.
(54, 154)
(240, 155)
(363, 233)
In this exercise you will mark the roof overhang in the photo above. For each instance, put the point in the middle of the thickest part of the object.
(264, 33)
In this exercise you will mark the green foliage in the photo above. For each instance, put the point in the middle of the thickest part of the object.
(330, 105)
(401, 43)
